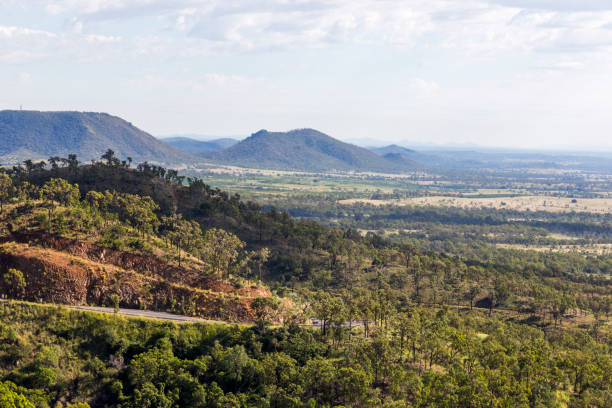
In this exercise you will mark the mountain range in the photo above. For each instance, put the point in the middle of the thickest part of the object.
(305, 150)
(392, 149)
(38, 135)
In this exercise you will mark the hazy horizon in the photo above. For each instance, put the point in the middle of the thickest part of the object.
(489, 73)
(371, 143)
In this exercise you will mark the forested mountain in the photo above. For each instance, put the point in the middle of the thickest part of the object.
(304, 150)
(199, 146)
(39, 135)
(395, 149)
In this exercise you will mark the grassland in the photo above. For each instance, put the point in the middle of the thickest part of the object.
(558, 210)
(518, 203)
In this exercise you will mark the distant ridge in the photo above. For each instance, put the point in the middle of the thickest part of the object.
(393, 149)
(38, 135)
(304, 150)
(190, 145)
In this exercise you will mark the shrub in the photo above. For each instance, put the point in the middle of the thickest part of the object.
(115, 302)
(15, 283)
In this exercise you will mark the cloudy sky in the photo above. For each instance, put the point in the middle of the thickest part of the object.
(515, 73)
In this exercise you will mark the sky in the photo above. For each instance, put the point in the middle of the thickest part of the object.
(496, 73)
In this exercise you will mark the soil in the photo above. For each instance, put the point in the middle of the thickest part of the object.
(65, 271)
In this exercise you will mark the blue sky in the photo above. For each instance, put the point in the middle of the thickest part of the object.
(507, 73)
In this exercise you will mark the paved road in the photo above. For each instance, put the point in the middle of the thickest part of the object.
(143, 313)
(150, 314)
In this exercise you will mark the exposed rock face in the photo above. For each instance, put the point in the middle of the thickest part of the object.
(70, 272)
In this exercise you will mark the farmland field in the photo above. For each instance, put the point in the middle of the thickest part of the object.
(518, 203)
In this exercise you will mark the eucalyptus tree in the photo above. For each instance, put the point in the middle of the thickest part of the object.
(6, 183)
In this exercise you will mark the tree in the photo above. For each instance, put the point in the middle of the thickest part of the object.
(5, 187)
(59, 191)
(71, 162)
(10, 397)
(15, 283)
(329, 309)
(261, 257)
(54, 160)
(159, 379)
(264, 307)
(415, 267)
(110, 158)
(181, 233)
(29, 165)
(502, 292)
(139, 211)
(114, 298)
(96, 201)
(471, 294)
(364, 305)
(220, 249)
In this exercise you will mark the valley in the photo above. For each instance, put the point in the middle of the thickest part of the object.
(305, 204)
(405, 258)
(372, 285)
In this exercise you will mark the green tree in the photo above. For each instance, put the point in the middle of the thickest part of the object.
(329, 310)
(59, 191)
(183, 234)
(15, 283)
(472, 292)
(160, 379)
(140, 212)
(110, 158)
(261, 257)
(220, 249)
(114, 298)
(264, 307)
(71, 162)
(502, 291)
(5, 188)
(11, 398)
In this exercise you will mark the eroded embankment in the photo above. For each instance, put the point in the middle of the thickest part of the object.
(63, 277)
(144, 264)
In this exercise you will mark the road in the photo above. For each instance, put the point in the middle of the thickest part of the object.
(150, 315)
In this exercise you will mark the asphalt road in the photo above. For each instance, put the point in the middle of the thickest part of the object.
(148, 314)
(143, 313)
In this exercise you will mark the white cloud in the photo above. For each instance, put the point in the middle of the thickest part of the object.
(101, 39)
(457, 58)
(482, 27)
(12, 32)
(558, 5)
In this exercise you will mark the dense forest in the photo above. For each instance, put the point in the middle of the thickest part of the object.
(395, 322)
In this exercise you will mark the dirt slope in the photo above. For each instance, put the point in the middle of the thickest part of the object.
(75, 273)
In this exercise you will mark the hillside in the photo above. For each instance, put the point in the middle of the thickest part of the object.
(392, 149)
(142, 239)
(94, 260)
(38, 135)
(190, 145)
(303, 150)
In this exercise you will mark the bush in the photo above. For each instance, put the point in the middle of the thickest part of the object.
(140, 244)
(112, 236)
(15, 283)
(115, 302)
